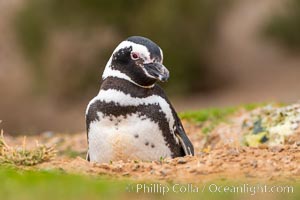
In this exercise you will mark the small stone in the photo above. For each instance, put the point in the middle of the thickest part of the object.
(194, 170)
(104, 166)
(135, 167)
(276, 149)
(181, 161)
(263, 146)
(163, 172)
(294, 126)
(254, 163)
(248, 175)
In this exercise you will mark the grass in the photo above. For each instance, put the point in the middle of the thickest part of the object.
(216, 113)
(20, 156)
(55, 185)
(208, 114)
(213, 116)
(49, 185)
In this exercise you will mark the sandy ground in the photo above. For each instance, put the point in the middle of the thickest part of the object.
(212, 161)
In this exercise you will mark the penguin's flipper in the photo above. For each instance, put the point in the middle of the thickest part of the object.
(179, 131)
(185, 142)
(183, 139)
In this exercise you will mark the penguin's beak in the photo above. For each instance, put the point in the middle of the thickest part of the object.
(157, 70)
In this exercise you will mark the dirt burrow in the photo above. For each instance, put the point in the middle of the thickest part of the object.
(211, 162)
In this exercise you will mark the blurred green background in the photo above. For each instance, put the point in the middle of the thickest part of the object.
(53, 52)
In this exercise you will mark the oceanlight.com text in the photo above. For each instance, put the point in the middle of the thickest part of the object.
(245, 188)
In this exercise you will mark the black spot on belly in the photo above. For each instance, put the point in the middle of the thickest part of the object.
(152, 145)
(136, 135)
(146, 143)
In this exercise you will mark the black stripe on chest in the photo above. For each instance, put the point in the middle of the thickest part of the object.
(151, 112)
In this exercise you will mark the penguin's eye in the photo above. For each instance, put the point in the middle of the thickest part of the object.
(134, 56)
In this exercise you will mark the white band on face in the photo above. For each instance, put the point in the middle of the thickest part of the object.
(140, 49)
(143, 53)
(109, 72)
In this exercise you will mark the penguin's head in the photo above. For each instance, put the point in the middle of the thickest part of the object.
(138, 60)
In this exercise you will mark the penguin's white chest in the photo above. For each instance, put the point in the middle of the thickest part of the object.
(131, 137)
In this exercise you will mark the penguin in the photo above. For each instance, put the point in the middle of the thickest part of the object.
(131, 118)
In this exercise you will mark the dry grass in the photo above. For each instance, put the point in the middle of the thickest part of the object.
(21, 156)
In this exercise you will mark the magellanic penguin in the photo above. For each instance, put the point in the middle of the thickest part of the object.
(131, 117)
